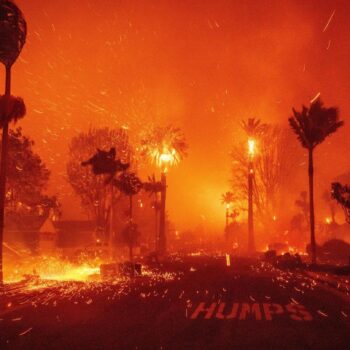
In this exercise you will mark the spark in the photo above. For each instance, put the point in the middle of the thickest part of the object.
(322, 313)
(315, 98)
(344, 314)
(26, 331)
(329, 21)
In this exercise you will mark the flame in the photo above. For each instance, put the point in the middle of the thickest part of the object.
(251, 147)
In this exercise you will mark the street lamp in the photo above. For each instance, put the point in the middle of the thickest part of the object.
(251, 154)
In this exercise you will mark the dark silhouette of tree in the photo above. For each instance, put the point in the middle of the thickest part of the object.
(154, 187)
(254, 127)
(312, 125)
(130, 235)
(130, 185)
(341, 193)
(11, 109)
(227, 199)
(104, 162)
(26, 205)
(274, 167)
(96, 197)
(13, 32)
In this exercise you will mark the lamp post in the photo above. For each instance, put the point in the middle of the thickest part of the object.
(251, 153)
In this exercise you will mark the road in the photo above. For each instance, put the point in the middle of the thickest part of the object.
(200, 303)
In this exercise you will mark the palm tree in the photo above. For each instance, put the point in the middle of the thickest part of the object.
(105, 163)
(130, 185)
(312, 125)
(154, 187)
(164, 146)
(253, 129)
(13, 32)
(227, 199)
(11, 109)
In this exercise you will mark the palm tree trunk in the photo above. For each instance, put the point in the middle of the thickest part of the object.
(312, 209)
(156, 223)
(162, 234)
(3, 169)
(251, 241)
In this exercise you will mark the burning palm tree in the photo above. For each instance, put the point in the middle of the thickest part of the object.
(13, 32)
(312, 125)
(165, 147)
(253, 129)
(227, 199)
(154, 187)
(130, 185)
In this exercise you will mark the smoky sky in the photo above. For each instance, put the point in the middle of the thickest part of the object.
(201, 65)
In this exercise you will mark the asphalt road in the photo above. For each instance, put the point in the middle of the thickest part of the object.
(200, 304)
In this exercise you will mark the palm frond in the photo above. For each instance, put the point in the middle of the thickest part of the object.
(312, 125)
(11, 109)
(13, 32)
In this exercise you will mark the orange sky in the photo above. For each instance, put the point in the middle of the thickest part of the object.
(202, 65)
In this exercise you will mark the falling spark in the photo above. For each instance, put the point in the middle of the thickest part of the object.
(316, 97)
(329, 44)
(26, 331)
(322, 313)
(329, 21)
(16, 319)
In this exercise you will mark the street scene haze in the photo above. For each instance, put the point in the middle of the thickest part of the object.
(174, 174)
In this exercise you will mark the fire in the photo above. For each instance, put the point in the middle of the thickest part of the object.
(251, 147)
(165, 158)
(52, 268)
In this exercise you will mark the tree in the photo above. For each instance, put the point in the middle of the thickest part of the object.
(13, 33)
(227, 199)
(95, 196)
(27, 175)
(165, 147)
(154, 187)
(26, 205)
(129, 184)
(312, 125)
(273, 164)
(341, 193)
(253, 128)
